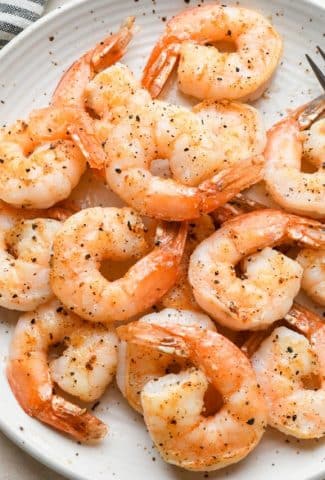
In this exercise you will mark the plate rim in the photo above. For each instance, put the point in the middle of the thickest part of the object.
(43, 458)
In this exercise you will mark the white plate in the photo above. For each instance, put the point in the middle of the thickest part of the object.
(29, 68)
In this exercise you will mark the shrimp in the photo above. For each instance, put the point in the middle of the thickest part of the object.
(138, 364)
(25, 253)
(290, 366)
(39, 163)
(180, 296)
(146, 130)
(95, 234)
(205, 72)
(173, 405)
(89, 362)
(312, 261)
(71, 88)
(313, 279)
(270, 280)
(238, 128)
(297, 191)
(29, 374)
(72, 91)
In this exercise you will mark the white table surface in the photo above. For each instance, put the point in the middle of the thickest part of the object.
(14, 463)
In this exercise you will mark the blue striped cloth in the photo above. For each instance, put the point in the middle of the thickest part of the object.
(16, 15)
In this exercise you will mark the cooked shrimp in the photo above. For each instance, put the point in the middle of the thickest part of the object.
(88, 364)
(290, 368)
(138, 364)
(313, 279)
(180, 296)
(270, 281)
(238, 128)
(72, 89)
(95, 234)
(204, 71)
(146, 130)
(25, 253)
(39, 163)
(292, 189)
(29, 375)
(173, 405)
(113, 94)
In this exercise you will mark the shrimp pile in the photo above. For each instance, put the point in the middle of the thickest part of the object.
(213, 346)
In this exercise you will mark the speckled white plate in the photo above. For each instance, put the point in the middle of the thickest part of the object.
(30, 66)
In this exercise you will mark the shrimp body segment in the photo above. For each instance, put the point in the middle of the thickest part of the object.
(138, 364)
(284, 364)
(95, 234)
(181, 296)
(88, 364)
(270, 280)
(173, 404)
(313, 279)
(297, 191)
(25, 253)
(29, 375)
(205, 72)
(145, 130)
(238, 129)
(40, 164)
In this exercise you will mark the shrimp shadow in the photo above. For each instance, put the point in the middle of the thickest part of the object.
(295, 444)
(175, 473)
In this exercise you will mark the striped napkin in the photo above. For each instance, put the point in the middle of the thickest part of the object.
(16, 15)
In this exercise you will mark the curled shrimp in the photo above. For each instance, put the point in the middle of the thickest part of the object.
(205, 72)
(180, 296)
(173, 405)
(95, 234)
(25, 253)
(88, 363)
(29, 375)
(143, 131)
(296, 191)
(269, 281)
(289, 366)
(39, 163)
(313, 279)
(72, 90)
(138, 364)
